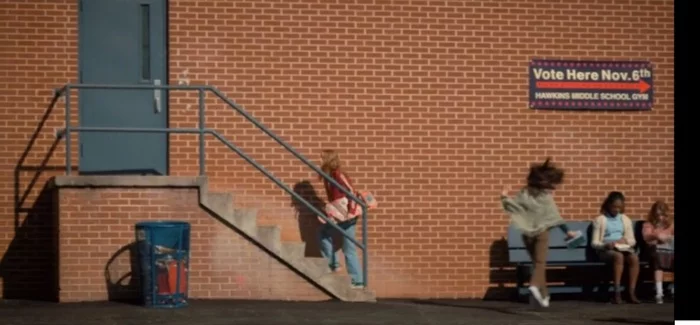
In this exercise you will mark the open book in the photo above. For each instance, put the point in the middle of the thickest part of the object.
(577, 241)
(622, 247)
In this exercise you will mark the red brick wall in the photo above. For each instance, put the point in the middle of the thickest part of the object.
(426, 102)
(38, 52)
(97, 229)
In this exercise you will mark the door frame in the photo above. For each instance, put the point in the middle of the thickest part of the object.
(166, 81)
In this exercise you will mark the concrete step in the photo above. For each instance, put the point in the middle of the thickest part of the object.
(341, 287)
(222, 202)
(271, 238)
(246, 220)
(318, 262)
(293, 250)
(314, 268)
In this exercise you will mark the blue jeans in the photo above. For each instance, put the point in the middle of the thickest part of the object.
(349, 249)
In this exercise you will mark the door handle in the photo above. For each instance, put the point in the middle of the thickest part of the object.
(156, 95)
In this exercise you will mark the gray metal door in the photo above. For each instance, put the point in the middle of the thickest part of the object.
(123, 42)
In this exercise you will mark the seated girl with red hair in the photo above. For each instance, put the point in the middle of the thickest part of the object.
(658, 233)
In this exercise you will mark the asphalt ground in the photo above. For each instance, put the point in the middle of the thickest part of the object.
(398, 312)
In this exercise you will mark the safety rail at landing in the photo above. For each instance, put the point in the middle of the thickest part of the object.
(202, 130)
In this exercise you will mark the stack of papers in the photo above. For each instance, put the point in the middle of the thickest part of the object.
(622, 247)
(667, 246)
(577, 241)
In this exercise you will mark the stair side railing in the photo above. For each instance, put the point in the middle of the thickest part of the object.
(202, 130)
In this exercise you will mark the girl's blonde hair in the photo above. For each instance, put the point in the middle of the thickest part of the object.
(330, 161)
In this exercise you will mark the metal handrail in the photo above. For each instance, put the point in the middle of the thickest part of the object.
(201, 130)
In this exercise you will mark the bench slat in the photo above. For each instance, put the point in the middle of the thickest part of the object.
(553, 256)
(558, 253)
(556, 236)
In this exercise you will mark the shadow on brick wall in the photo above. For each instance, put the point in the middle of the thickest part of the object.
(500, 273)
(123, 274)
(308, 221)
(23, 191)
(29, 268)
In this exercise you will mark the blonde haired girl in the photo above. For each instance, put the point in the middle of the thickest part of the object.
(344, 213)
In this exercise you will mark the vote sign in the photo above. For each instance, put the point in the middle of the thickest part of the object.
(597, 85)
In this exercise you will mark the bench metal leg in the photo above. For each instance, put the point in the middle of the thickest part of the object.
(518, 281)
(523, 273)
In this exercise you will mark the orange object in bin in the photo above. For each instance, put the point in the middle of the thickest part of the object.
(167, 279)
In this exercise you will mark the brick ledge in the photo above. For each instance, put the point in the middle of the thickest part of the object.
(128, 181)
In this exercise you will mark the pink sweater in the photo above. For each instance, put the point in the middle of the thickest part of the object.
(652, 232)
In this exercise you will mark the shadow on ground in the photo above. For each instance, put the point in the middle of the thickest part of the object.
(509, 310)
(122, 276)
(633, 321)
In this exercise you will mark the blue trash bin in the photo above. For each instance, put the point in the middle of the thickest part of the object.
(164, 254)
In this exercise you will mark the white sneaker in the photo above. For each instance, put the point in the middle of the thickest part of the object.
(545, 302)
(535, 292)
(672, 288)
(659, 299)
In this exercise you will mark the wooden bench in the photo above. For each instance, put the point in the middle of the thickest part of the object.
(559, 256)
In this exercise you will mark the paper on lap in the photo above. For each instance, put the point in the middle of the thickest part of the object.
(575, 242)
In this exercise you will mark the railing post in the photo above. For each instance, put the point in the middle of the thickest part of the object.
(365, 259)
(67, 134)
(201, 133)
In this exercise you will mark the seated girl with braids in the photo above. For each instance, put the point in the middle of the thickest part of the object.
(613, 239)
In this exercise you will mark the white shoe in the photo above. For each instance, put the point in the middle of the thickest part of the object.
(545, 302)
(672, 288)
(659, 299)
(535, 293)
